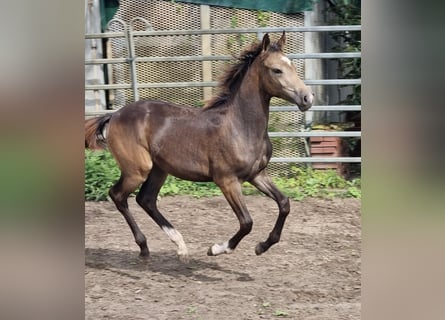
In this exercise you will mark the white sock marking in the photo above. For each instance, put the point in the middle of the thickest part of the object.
(176, 237)
(218, 249)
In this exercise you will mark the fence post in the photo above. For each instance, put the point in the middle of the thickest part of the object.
(94, 74)
(206, 50)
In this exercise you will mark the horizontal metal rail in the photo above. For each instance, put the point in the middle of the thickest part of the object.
(105, 35)
(272, 109)
(250, 30)
(153, 85)
(333, 82)
(107, 86)
(315, 133)
(322, 55)
(226, 31)
(316, 159)
(325, 55)
(317, 108)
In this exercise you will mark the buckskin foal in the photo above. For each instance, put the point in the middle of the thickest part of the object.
(225, 142)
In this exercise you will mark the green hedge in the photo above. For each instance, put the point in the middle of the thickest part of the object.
(101, 172)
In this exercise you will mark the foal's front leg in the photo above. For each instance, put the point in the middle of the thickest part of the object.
(231, 188)
(264, 183)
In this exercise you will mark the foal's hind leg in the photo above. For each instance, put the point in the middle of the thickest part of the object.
(135, 164)
(263, 183)
(231, 189)
(147, 197)
(119, 194)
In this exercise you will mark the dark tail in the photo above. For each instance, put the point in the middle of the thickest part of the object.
(95, 138)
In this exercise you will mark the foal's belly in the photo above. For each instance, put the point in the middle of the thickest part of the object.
(204, 169)
(183, 161)
(190, 174)
(199, 153)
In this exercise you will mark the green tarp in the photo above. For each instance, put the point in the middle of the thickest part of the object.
(283, 6)
(109, 7)
(107, 10)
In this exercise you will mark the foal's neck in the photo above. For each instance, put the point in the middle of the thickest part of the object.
(252, 104)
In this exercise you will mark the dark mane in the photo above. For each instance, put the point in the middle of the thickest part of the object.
(233, 76)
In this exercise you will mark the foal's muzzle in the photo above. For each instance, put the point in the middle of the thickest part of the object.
(305, 99)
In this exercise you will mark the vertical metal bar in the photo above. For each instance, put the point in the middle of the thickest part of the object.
(117, 97)
(132, 62)
(206, 50)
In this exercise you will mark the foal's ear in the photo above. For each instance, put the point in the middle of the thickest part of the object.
(282, 41)
(266, 42)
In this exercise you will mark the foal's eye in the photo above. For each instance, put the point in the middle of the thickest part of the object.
(277, 71)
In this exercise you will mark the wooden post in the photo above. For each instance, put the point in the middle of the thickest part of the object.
(206, 50)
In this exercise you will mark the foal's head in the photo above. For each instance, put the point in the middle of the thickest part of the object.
(278, 75)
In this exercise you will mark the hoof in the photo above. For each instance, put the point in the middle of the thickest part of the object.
(184, 258)
(144, 254)
(260, 248)
(218, 249)
(183, 254)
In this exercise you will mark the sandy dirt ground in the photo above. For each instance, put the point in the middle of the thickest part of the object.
(312, 273)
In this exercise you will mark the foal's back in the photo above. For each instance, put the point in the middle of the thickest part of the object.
(187, 142)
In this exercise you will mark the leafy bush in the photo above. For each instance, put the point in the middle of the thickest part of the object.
(307, 182)
(101, 172)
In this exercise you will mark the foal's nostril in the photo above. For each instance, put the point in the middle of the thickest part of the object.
(305, 99)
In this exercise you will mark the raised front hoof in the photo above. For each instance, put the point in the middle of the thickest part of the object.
(218, 249)
(260, 248)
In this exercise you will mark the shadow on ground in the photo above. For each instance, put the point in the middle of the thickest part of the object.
(128, 263)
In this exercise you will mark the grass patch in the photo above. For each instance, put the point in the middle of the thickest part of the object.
(101, 172)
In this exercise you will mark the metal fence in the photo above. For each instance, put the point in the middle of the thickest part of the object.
(133, 37)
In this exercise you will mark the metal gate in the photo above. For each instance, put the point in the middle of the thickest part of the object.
(181, 63)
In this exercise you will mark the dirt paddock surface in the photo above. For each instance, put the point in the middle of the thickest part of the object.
(312, 273)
